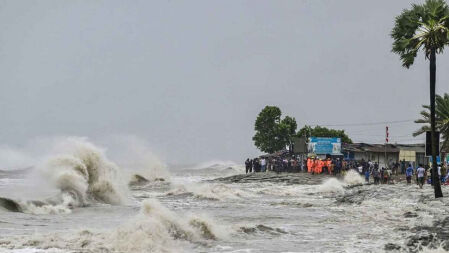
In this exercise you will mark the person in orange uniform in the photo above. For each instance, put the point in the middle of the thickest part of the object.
(329, 166)
(315, 166)
(309, 165)
(318, 166)
(322, 164)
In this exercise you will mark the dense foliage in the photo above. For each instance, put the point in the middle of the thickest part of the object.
(441, 119)
(272, 132)
(424, 27)
(319, 131)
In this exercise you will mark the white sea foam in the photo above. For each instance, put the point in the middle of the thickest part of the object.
(218, 168)
(337, 186)
(215, 191)
(79, 171)
(83, 170)
(433, 250)
(353, 178)
(332, 185)
(154, 229)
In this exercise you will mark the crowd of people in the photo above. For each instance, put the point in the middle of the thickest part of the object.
(372, 172)
(314, 165)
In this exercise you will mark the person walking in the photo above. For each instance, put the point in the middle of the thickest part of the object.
(409, 173)
(420, 171)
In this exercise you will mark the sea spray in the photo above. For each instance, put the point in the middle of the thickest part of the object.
(208, 191)
(154, 229)
(331, 185)
(216, 169)
(352, 178)
(137, 160)
(85, 172)
(75, 173)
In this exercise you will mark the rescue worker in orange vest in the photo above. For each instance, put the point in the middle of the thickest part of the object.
(329, 166)
(318, 166)
(315, 166)
(322, 164)
(309, 165)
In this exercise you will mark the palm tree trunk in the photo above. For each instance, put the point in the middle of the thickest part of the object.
(435, 178)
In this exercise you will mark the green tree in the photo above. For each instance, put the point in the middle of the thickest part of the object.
(424, 27)
(441, 119)
(272, 133)
(319, 131)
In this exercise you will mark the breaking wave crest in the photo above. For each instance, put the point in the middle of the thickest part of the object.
(333, 185)
(154, 229)
(85, 172)
(353, 178)
(217, 168)
(81, 173)
(208, 191)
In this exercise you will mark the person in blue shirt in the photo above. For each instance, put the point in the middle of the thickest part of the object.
(409, 173)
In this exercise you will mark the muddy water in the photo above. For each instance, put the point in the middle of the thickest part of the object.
(193, 211)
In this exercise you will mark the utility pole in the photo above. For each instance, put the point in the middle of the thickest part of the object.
(386, 142)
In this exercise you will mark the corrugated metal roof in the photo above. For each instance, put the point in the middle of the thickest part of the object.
(380, 148)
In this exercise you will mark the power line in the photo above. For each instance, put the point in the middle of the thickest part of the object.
(369, 123)
(379, 135)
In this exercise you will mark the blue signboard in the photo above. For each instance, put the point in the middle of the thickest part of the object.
(323, 146)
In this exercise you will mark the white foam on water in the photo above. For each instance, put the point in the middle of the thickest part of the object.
(78, 173)
(433, 250)
(214, 191)
(154, 229)
(353, 178)
(83, 169)
(332, 185)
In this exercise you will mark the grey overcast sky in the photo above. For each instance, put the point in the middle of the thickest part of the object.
(190, 77)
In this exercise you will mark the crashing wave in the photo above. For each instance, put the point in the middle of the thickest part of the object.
(82, 174)
(154, 229)
(333, 185)
(217, 168)
(208, 191)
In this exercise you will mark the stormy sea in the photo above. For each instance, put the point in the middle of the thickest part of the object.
(77, 198)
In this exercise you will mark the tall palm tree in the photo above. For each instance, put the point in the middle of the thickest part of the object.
(424, 27)
(441, 119)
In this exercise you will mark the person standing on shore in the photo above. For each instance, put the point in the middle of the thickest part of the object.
(409, 173)
(309, 165)
(338, 166)
(376, 175)
(263, 164)
(247, 165)
(443, 172)
(367, 176)
(420, 171)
